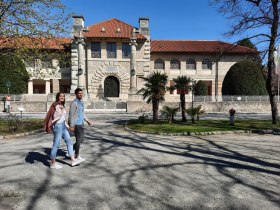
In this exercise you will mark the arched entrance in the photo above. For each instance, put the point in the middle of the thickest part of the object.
(111, 87)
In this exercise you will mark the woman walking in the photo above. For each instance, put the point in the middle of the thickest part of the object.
(60, 130)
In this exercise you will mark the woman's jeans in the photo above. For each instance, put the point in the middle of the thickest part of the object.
(60, 131)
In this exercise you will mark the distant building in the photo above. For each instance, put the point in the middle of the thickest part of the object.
(109, 58)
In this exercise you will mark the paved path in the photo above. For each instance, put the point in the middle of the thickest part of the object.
(137, 171)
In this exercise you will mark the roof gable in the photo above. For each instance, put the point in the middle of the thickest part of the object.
(112, 28)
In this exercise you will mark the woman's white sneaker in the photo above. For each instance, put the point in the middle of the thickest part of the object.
(56, 166)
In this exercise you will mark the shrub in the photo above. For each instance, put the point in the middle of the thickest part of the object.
(168, 112)
(143, 118)
(244, 78)
(201, 88)
(13, 69)
(196, 111)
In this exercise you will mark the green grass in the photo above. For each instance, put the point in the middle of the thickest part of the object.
(200, 126)
(27, 125)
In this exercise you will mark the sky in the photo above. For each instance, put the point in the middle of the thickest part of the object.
(169, 19)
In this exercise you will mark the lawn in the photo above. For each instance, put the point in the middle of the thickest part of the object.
(27, 125)
(200, 126)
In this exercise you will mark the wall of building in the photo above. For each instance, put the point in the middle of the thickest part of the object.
(224, 64)
(244, 107)
(137, 106)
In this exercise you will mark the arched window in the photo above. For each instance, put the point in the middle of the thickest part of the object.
(159, 64)
(206, 64)
(191, 64)
(175, 64)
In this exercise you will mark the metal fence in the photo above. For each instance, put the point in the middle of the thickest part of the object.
(13, 97)
(71, 96)
(116, 106)
(232, 98)
(246, 98)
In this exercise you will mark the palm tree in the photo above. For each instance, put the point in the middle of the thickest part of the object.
(154, 90)
(169, 113)
(182, 83)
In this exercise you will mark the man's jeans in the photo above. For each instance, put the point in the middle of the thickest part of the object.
(79, 134)
(60, 131)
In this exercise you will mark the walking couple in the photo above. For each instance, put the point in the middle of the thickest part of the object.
(56, 121)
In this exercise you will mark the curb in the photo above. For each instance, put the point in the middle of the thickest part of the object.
(21, 134)
(256, 131)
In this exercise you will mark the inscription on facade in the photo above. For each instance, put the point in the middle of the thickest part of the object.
(111, 69)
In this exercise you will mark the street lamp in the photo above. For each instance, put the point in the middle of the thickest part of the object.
(80, 71)
(276, 57)
(193, 92)
(8, 85)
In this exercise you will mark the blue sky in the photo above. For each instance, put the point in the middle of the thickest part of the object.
(169, 19)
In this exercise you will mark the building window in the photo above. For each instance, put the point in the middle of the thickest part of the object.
(46, 62)
(126, 50)
(111, 50)
(96, 50)
(174, 64)
(159, 64)
(191, 64)
(206, 64)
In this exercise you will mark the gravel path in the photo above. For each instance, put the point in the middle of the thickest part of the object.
(138, 171)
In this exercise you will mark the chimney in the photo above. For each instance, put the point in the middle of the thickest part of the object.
(78, 25)
(144, 26)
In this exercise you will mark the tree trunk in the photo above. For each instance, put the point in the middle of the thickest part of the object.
(271, 73)
(170, 120)
(155, 110)
(183, 107)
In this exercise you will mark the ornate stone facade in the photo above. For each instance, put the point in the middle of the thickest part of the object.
(120, 54)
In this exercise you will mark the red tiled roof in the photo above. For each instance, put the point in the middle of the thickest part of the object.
(34, 43)
(168, 46)
(111, 26)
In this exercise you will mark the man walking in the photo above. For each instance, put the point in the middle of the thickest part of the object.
(76, 121)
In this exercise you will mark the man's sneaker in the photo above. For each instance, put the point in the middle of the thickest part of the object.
(81, 159)
(76, 162)
(56, 166)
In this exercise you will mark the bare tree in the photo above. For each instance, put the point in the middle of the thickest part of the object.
(45, 18)
(257, 20)
(29, 29)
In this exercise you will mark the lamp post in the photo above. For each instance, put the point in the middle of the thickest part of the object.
(8, 85)
(192, 88)
(8, 98)
(276, 57)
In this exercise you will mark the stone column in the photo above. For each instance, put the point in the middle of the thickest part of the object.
(133, 43)
(55, 83)
(81, 63)
(48, 86)
(30, 87)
